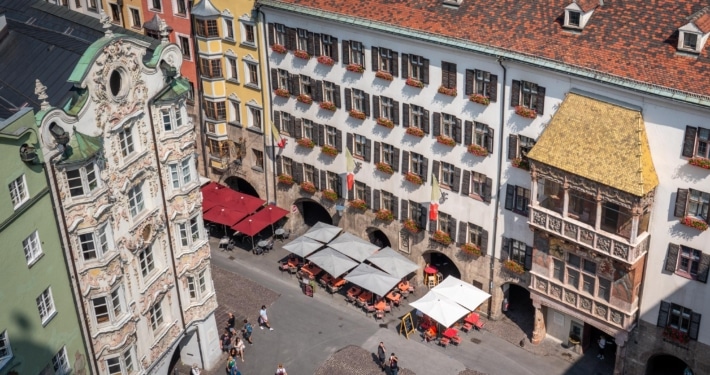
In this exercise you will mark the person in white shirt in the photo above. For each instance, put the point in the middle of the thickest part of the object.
(195, 370)
(602, 344)
(263, 319)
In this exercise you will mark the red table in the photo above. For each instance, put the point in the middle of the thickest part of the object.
(365, 296)
(293, 262)
(392, 296)
(431, 270)
(403, 286)
(380, 305)
(354, 291)
(338, 282)
(326, 278)
(311, 269)
(450, 333)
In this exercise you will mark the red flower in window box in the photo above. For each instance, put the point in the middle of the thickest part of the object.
(513, 267)
(521, 163)
(384, 168)
(308, 187)
(675, 335)
(282, 92)
(358, 204)
(700, 162)
(328, 106)
(285, 179)
(692, 222)
(305, 142)
(355, 68)
(301, 54)
(305, 99)
(444, 140)
(326, 60)
(414, 83)
(278, 48)
(415, 132)
(329, 150)
(354, 113)
(413, 178)
(411, 226)
(525, 112)
(387, 76)
(387, 123)
(480, 99)
(330, 195)
(384, 215)
(441, 237)
(447, 91)
(471, 249)
(477, 150)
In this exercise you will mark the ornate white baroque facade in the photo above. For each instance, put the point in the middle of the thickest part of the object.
(121, 159)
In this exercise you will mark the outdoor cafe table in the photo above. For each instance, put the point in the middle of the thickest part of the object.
(354, 291)
(326, 278)
(403, 286)
(393, 296)
(450, 333)
(336, 283)
(365, 296)
(471, 318)
(380, 305)
(430, 270)
(293, 262)
(311, 269)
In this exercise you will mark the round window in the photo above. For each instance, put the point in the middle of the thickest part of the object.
(115, 82)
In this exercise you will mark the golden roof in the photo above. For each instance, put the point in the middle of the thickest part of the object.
(599, 140)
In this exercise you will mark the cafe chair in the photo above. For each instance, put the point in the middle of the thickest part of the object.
(456, 340)
(379, 315)
(466, 327)
(405, 294)
(284, 267)
(332, 289)
(388, 308)
(444, 342)
(292, 269)
(359, 303)
(350, 298)
(368, 308)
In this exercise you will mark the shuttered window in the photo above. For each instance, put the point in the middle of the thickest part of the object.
(517, 199)
(680, 318)
(696, 142)
(687, 262)
(528, 95)
(448, 75)
(693, 203)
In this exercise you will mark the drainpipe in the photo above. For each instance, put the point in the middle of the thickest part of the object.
(498, 185)
(265, 99)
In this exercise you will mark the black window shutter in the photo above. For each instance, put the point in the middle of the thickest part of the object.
(540, 102)
(405, 65)
(453, 82)
(425, 169)
(437, 124)
(528, 257)
(367, 104)
(457, 180)
(297, 172)
(509, 197)
(346, 52)
(436, 169)
(337, 96)
(493, 88)
(292, 127)
(279, 167)
(468, 132)
(703, 268)
(689, 141)
(425, 126)
(672, 258)
(324, 180)
(316, 179)
(505, 249)
(339, 140)
(316, 42)
(515, 94)
(368, 150)
(425, 217)
(405, 115)
(351, 194)
(318, 91)
(311, 44)
(368, 196)
(291, 37)
(425, 73)
(321, 135)
(681, 200)
(377, 152)
(466, 184)
(394, 69)
(452, 227)
(375, 107)
(405, 162)
(349, 140)
(457, 131)
(512, 146)
(395, 112)
(334, 50)
(484, 242)
(694, 326)
(339, 187)
(395, 207)
(298, 129)
(348, 99)
(395, 159)
(375, 200)
(663, 313)
(375, 54)
(404, 210)
(470, 74)
(277, 120)
(487, 190)
(489, 140)
(463, 227)
(272, 34)
(274, 79)
(293, 84)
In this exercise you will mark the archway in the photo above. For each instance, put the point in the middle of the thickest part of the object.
(518, 308)
(312, 212)
(378, 237)
(665, 364)
(241, 185)
(443, 263)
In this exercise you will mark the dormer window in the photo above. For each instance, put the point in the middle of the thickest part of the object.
(692, 36)
(574, 18)
(690, 41)
(578, 13)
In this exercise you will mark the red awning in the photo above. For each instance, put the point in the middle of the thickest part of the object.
(250, 226)
(207, 204)
(223, 215)
(270, 213)
(211, 191)
(241, 202)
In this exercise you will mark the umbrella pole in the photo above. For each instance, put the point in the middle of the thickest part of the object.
(252, 242)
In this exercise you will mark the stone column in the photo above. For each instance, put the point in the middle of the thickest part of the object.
(620, 340)
(533, 188)
(539, 331)
(635, 219)
(565, 198)
(598, 222)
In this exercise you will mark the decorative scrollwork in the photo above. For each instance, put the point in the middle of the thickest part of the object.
(555, 224)
(539, 218)
(570, 297)
(604, 244)
(600, 311)
(585, 304)
(617, 317)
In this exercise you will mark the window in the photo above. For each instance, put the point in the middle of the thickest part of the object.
(388, 154)
(210, 68)
(135, 18)
(334, 183)
(419, 118)
(147, 262)
(329, 46)
(172, 118)
(5, 349)
(558, 270)
(519, 146)
(255, 117)
(258, 159)
(360, 189)
(281, 78)
(446, 224)
(448, 175)
(384, 59)
(156, 316)
(482, 135)
(478, 184)
(18, 191)
(155, 5)
(687, 262)
(416, 212)
(108, 308)
(476, 235)
(206, 28)
(60, 362)
(358, 100)
(518, 251)
(125, 138)
(216, 111)
(302, 40)
(95, 244)
(573, 278)
(279, 34)
(189, 231)
(360, 144)
(233, 69)
(229, 28)
(573, 18)
(197, 286)
(82, 181)
(388, 201)
(33, 247)
(696, 142)
(517, 199)
(135, 200)
(181, 8)
(307, 129)
(249, 34)
(45, 305)
(181, 173)
(448, 75)
(387, 108)
(115, 12)
(483, 83)
(309, 173)
(692, 203)
(528, 95)
(253, 74)
(448, 124)
(93, 5)
(574, 260)
(604, 290)
(305, 85)
(121, 365)
(418, 164)
(331, 136)
(415, 67)
(690, 41)
(355, 52)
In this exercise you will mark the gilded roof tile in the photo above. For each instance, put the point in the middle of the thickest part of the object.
(599, 140)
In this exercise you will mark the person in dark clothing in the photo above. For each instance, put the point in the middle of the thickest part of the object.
(394, 364)
(231, 323)
(381, 353)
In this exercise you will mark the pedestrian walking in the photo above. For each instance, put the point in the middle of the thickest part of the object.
(281, 370)
(263, 319)
(394, 364)
(602, 344)
(225, 342)
(231, 323)
(246, 331)
(381, 354)
(240, 348)
(232, 366)
(195, 370)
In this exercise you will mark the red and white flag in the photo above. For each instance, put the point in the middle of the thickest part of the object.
(435, 196)
(281, 142)
(350, 168)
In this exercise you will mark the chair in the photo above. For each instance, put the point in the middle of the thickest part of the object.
(444, 341)
(479, 325)
(359, 302)
(456, 340)
(292, 270)
(405, 294)
(350, 298)
(322, 283)
(369, 308)
(388, 308)
(431, 282)
(379, 315)
(466, 327)
(284, 267)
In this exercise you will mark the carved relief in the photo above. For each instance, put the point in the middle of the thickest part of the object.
(600, 311)
(570, 297)
(540, 218)
(191, 261)
(621, 250)
(162, 346)
(604, 244)
(156, 291)
(198, 312)
(571, 230)
(585, 304)
(586, 236)
(541, 284)
(101, 279)
(555, 224)
(117, 340)
(556, 291)
(617, 317)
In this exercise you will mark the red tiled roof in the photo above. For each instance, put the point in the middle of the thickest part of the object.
(703, 23)
(587, 5)
(631, 39)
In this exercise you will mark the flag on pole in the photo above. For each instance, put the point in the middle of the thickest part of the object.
(281, 142)
(435, 196)
(350, 168)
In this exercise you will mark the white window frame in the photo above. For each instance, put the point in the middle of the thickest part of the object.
(228, 25)
(568, 19)
(447, 173)
(417, 116)
(244, 25)
(448, 123)
(60, 362)
(136, 201)
(359, 145)
(45, 306)
(358, 100)
(197, 285)
(126, 142)
(5, 349)
(146, 261)
(101, 241)
(176, 8)
(186, 55)
(137, 11)
(234, 115)
(172, 118)
(88, 176)
(190, 231)
(249, 78)
(155, 314)
(125, 363)
(182, 173)
(329, 92)
(232, 67)
(256, 118)
(115, 307)
(387, 108)
(33, 248)
(19, 193)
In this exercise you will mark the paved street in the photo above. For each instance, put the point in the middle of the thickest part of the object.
(325, 335)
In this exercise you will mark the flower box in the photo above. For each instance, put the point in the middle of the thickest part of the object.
(675, 335)
(384, 215)
(305, 99)
(415, 132)
(355, 68)
(301, 54)
(278, 48)
(285, 179)
(329, 150)
(308, 187)
(413, 178)
(387, 123)
(384, 168)
(354, 113)
(441, 237)
(330, 195)
(358, 204)
(328, 106)
(521, 163)
(513, 267)
(477, 150)
(326, 60)
(480, 99)
(447, 91)
(471, 249)
(414, 83)
(305, 142)
(282, 93)
(444, 140)
(411, 226)
(525, 112)
(692, 222)
(700, 162)
(387, 76)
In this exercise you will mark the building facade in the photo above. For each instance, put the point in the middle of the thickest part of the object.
(91, 8)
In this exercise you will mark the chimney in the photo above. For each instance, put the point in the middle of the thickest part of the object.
(3, 25)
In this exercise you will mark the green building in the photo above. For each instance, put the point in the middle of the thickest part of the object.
(39, 323)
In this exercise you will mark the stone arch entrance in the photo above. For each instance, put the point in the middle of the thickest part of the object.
(665, 364)
(312, 211)
(378, 237)
(517, 307)
(443, 263)
(241, 185)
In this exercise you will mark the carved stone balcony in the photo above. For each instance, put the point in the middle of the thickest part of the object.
(585, 235)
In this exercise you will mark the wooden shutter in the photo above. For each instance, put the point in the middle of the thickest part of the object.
(457, 180)
(349, 141)
(337, 96)
(346, 52)
(492, 88)
(425, 217)
(339, 140)
(463, 227)
(395, 112)
(348, 99)
(515, 94)
(279, 166)
(691, 133)
(405, 115)
(351, 194)
(297, 172)
(293, 84)
(395, 159)
(663, 313)
(375, 107)
(290, 126)
(489, 141)
(334, 50)
(484, 242)
(487, 190)
(404, 210)
(425, 125)
(317, 38)
(321, 134)
(324, 180)
(405, 65)
(470, 77)
(394, 68)
(368, 196)
(457, 131)
(274, 79)
(452, 227)
(694, 326)
(339, 187)
(367, 103)
(468, 133)
(375, 54)
(318, 92)
(405, 162)
(291, 38)
(272, 34)
(377, 152)
(375, 200)
(528, 257)
(395, 207)
(540, 101)
(436, 170)
(277, 121)
(316, 179)
(512, 146)
(703, 268)
(681, 200)
(509, 197)
(466, 184)
(425, 169)
(505, 249)
(672, 258)
(436, 124)
(425, 73)
(298, 128)
(310, 48)
(368, 150)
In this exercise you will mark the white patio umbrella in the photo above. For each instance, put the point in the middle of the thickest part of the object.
(440, 308)
(461, 292)
(323, 232)
(372, 279)
(302, 246)
(392, 262)
(333, 262)
(353, 246)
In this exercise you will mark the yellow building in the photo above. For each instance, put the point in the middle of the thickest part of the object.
(125, 13)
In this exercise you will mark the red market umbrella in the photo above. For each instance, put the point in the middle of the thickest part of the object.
(212, 191)
(243, 202)
(270, 213)
(223, 215)
(251, 226)
(207, 204)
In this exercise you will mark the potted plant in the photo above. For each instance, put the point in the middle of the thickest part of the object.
(278, 48)
(675, 335)
(384, 168)
(328, 106)
(301, 54)
(384, 215)
(329, 150)
(305, 99)
(308, 187)
(358, 204)
(354, 113)
(414, 83)
(355, 68)
(521, 163)
(410, 226)
(415, 131)
(471, 249)
(513, 267)
(387, 76)
(525, 112)
(282, 92)
(285, 179)
(692, 222)
(441, 237)
(480, 99)
(305, 142)
(444, 140)
(700, 162)
(326, 60)
(450, 91)
(387, 123)
(413, 178)
(477, 150)
(330, 195)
